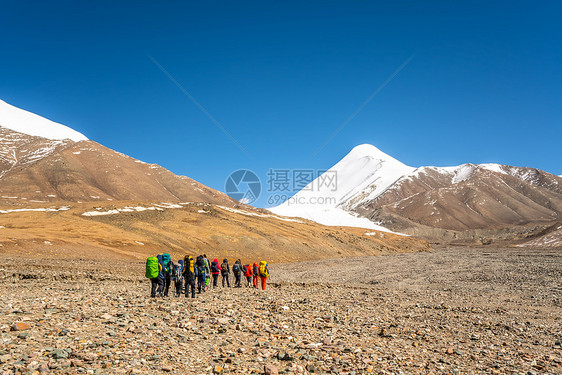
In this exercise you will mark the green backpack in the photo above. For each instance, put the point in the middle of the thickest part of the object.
(152, 267)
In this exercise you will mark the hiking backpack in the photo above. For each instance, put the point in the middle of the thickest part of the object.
(201, 265)
(151, 267)
(166, 261)
(214, 267)
(189, 265)
(176, 272)
(236, 268)
(263, 269)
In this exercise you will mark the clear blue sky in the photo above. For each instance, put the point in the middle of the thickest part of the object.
(484, 85)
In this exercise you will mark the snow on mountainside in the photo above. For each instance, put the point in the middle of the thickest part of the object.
(362, 174)
(374, 189)
(29, 123)
(19, 149)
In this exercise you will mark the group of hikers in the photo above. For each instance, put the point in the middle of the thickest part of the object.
(189, 272)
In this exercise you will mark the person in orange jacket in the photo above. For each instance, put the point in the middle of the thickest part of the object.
(249, 274)
(255, 271)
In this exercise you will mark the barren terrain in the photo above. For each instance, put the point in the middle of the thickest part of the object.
(138, 229)
(453, 310)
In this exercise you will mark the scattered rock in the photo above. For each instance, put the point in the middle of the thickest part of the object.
(270, 370)
(20, 326)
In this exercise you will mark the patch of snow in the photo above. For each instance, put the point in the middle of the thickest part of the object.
(463, 172)
(100, 213)
(202, 212)
(140, 243)
(29, 123)
(493, 167)
(115, 211)
(50, 209)
(168, 205)
(77, 152)
(248, 213)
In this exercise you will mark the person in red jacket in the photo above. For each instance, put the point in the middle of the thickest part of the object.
(249, 274)
(255, 271)
(215, 271)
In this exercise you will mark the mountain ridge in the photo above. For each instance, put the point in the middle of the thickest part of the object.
(430, 201)
(82, 199)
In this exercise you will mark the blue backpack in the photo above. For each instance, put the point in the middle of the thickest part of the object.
(166, 262)
(177, 271)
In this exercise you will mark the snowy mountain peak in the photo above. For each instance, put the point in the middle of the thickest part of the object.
(367, 150)
(363, 173)
(22, 121)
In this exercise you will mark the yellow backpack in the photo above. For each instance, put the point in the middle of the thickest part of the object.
(263, 269)
(189, 262)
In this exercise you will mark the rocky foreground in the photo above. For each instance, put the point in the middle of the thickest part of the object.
(452, 311)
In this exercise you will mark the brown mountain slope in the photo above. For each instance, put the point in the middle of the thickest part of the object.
(138, 229)
(81, 199)
(18, 150)
(88, 171)
(432, 201)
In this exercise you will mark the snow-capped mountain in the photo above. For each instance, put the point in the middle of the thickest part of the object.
(44, 161)
(433, 202)
(361, 175)
(25, 122)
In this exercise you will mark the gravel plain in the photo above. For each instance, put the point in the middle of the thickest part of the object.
(450, 311)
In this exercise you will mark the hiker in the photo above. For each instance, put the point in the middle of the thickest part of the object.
(201, 273)
(264, 273)
(225, 273)
(152, 271)
(189, 274)
(161, 276)
(177, 276)
(167, 271)
(249, 273)
(255, 270)
(237, 270)
(215, 271)
(208, 272)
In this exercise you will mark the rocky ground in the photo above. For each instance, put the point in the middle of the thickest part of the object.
(451, 311)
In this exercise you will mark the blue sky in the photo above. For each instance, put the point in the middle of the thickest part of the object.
(484, 83)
